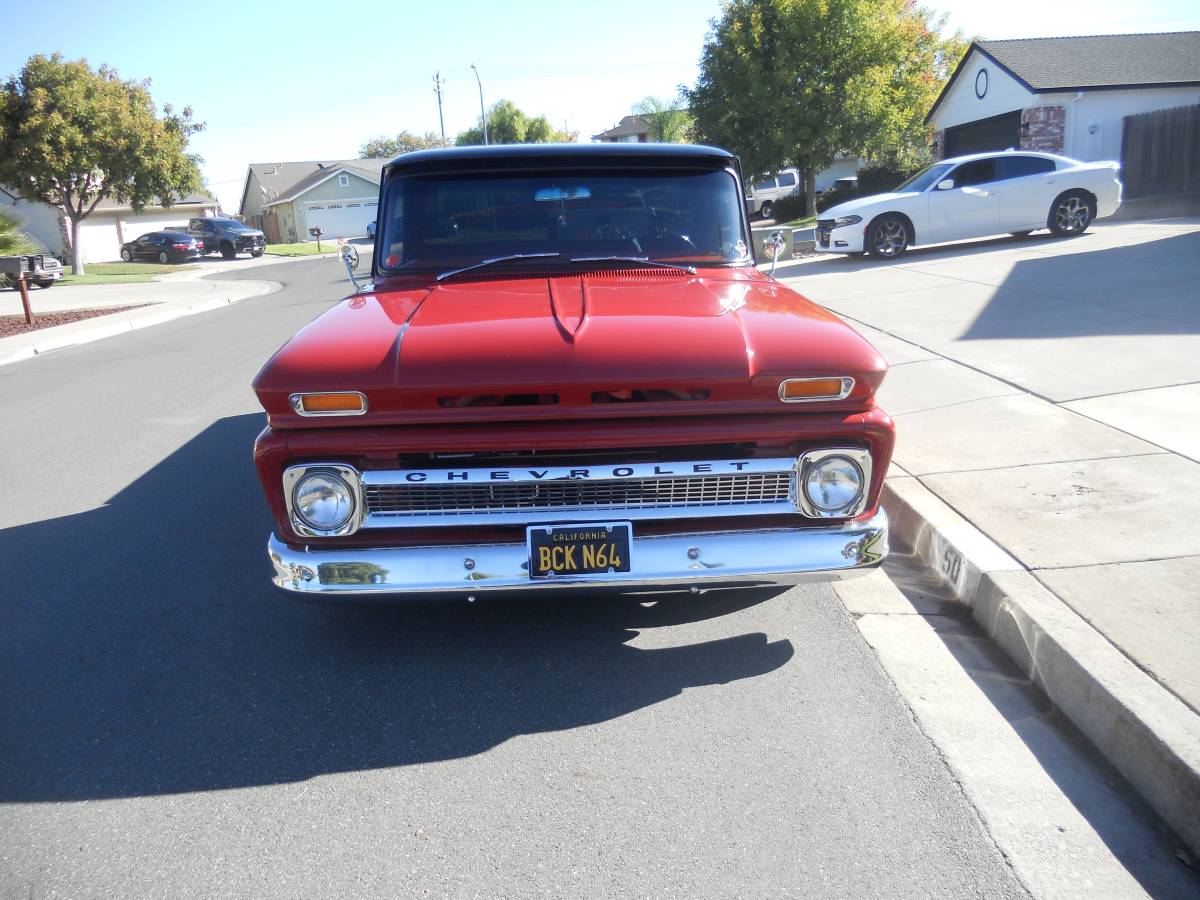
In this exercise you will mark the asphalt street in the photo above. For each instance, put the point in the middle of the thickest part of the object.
(171, 726)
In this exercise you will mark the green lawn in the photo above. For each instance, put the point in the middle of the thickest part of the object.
(119, 273)
(802, 223)
(306, 248)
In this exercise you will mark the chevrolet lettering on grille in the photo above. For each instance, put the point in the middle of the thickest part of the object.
(558, 473)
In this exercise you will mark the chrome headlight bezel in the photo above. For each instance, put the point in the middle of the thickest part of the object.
(859, 457)
(293, 476)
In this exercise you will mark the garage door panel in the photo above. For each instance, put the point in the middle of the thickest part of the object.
(98, 240)
(984, 135)
(340, 218)
(135, 227)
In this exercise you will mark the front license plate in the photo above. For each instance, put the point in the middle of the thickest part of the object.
(556, 550)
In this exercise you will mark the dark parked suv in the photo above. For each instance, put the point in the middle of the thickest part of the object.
(228, 236)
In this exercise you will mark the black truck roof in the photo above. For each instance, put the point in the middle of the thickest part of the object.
(552, 156)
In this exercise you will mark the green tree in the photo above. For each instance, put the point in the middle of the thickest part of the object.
(669, 120)
(384, 147)
(507, 124)
(71, 136)
(803, 82)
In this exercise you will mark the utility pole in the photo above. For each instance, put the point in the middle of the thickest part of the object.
(482, 112)
(437, 89)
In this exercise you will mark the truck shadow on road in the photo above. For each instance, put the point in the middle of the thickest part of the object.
(144, 652)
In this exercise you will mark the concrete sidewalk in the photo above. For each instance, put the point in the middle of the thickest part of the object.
(169, 296)
(1045, 393)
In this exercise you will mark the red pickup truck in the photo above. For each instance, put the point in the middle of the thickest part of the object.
(567, 373)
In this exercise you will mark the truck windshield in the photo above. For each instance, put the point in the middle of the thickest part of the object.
(436, 222)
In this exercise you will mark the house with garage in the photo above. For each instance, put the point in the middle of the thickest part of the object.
(1065, 95)
(109, 226)
(286, 199)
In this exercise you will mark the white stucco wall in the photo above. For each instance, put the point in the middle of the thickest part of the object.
(1093, 123)
(1004, 94)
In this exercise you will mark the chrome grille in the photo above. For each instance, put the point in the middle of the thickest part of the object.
(740, 493)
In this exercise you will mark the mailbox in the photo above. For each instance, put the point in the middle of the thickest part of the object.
(18, 269)
(316, 232)
(19, 266)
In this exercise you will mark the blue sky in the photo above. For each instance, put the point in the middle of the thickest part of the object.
(301, 80)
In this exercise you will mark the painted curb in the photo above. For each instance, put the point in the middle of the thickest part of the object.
(1146, 732)
(132, 320)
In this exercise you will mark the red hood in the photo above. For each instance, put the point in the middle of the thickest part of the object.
(416, 349)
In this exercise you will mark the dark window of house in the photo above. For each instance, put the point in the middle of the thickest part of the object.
(981, 171)
(1020, 166)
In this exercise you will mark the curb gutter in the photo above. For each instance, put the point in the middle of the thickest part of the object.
(1146, 732)
(46, 340)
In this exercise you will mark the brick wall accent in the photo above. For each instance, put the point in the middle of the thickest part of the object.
(1042, 128)
(937, 145)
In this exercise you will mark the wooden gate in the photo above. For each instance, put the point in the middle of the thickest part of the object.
(1160, 153)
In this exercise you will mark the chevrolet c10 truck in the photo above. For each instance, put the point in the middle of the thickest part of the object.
(567, 373)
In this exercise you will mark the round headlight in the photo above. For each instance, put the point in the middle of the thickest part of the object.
(833, 483)
(323, 501)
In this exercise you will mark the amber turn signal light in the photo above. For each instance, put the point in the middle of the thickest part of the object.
(338, 403)
(805, 390)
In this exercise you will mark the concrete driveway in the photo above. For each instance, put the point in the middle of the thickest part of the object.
(1047, 390)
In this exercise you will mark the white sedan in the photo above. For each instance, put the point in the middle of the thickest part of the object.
(1013, 192)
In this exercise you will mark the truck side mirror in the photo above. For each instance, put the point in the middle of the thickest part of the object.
(775, 244)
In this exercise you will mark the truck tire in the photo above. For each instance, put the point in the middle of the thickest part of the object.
(767, 208)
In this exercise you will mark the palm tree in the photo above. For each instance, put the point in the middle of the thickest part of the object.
(669, 121)
(13, 241)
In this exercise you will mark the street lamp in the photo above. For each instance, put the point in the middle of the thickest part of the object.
(482, 114)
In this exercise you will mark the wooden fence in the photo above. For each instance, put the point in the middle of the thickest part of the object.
(1160, 153)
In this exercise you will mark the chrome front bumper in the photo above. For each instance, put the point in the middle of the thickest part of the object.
(660, 562)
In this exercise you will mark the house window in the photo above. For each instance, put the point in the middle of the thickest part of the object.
(343, 181)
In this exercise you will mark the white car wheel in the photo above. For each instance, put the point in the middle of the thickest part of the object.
(126, 255)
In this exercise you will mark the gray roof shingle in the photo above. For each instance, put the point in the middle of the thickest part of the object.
(1097, 61)
(284, 179)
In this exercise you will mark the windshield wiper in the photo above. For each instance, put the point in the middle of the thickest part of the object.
(640, 260)
(495, 259)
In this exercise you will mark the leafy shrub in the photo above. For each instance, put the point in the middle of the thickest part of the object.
(788, 208)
